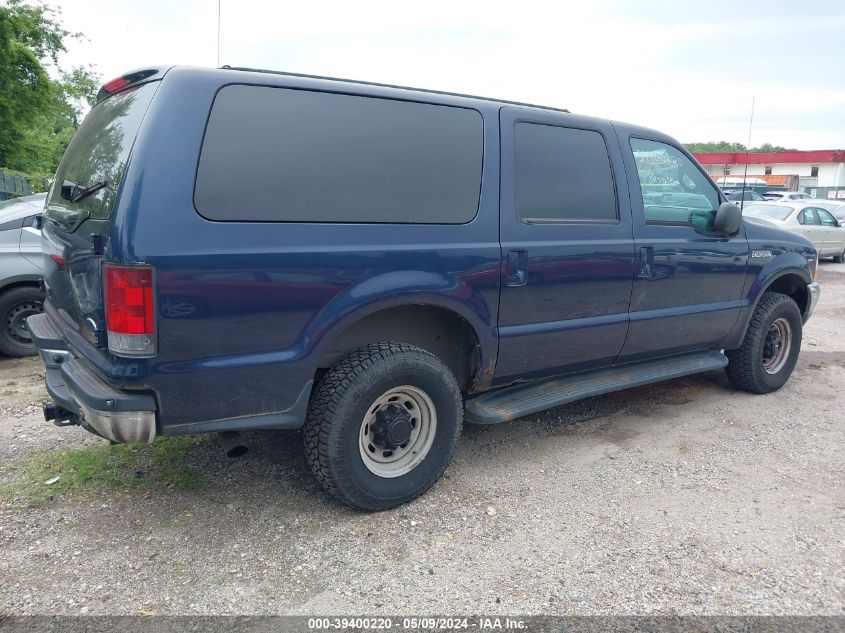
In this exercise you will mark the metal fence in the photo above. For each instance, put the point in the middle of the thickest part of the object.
(827, 193)
(15, 185)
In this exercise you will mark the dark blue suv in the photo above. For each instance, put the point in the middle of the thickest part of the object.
(235, 249)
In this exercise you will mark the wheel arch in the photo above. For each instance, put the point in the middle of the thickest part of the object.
(791, 281)
(434, 327)
(19, 281)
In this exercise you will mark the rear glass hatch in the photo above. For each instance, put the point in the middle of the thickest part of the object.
(80, 205)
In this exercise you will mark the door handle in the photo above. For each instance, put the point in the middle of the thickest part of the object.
(646, 262)
(517, 267)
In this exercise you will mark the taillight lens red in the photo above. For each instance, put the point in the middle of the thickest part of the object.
(129, 299)
(110, 87)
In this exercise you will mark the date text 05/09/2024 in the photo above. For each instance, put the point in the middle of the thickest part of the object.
(417, 623)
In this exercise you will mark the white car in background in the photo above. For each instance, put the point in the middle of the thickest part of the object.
(807, 218)
(836, 208)
(786, 195)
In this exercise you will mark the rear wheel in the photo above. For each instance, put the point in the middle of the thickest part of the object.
(16, 305)
(770, 349)
(838, 259)
(382, 425)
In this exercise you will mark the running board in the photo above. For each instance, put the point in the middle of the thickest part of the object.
(508, 403)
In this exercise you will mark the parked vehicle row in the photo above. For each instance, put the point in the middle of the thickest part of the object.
(784, 196)
(740, 197)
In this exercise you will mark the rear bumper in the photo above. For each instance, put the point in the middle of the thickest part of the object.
(115, 415)
(813, 293)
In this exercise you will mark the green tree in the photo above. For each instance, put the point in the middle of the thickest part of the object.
(726, 146)
(768, 147)
(714, 146)
(38, 113)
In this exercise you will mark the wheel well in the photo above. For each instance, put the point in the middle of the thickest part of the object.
(791, 286)
(19, 284)
(437, 330)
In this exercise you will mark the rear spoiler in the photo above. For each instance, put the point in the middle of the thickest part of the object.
(130, 80)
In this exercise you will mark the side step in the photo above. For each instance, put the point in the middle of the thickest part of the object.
(508, 403)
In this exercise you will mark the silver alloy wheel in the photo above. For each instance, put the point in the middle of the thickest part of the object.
(412, 406)
(776, 346)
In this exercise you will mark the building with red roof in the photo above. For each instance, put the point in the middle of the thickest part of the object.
(822, 170)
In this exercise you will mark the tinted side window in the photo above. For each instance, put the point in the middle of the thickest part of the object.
(674, 190)
(562, 175)
(275, 154)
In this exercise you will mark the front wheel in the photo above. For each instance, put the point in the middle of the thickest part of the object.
(770, 348)
(16, 305)
(383, 425)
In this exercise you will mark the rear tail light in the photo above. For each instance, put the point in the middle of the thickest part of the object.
(130, 313)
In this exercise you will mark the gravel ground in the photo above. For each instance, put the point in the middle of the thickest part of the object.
(684, 497)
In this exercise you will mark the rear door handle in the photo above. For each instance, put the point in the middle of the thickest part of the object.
(517, 267)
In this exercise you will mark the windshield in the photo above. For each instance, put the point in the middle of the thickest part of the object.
(97, 154)
(768, 211)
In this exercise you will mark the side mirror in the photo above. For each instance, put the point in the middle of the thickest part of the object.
(728, 219)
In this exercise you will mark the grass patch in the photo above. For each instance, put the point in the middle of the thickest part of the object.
(104, 469)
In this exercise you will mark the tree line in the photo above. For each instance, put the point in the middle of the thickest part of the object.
(727, 146)
(41, 103)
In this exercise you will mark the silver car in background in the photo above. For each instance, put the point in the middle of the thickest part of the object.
(807, 218)
(783, 196)
(20, 271)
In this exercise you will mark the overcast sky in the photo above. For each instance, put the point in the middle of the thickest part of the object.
(688, 67)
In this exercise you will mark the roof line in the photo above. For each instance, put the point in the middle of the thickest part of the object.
(380, 85)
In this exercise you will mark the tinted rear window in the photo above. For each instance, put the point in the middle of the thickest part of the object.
(98, 153)
(281, 155)
(562, 174)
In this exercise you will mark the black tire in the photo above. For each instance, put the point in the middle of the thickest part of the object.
(345, 395)
(747, 364)
(838, 259)
(15, 305)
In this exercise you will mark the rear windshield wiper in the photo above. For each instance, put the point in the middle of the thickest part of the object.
(73, 192)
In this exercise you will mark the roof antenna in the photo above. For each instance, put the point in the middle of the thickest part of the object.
(747, 152)
(218, 32)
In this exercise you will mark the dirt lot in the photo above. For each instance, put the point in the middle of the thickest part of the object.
(685, 497)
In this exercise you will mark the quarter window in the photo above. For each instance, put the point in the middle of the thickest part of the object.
(825, 217)
(281, 155)
(562, 175)
(674, 190)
